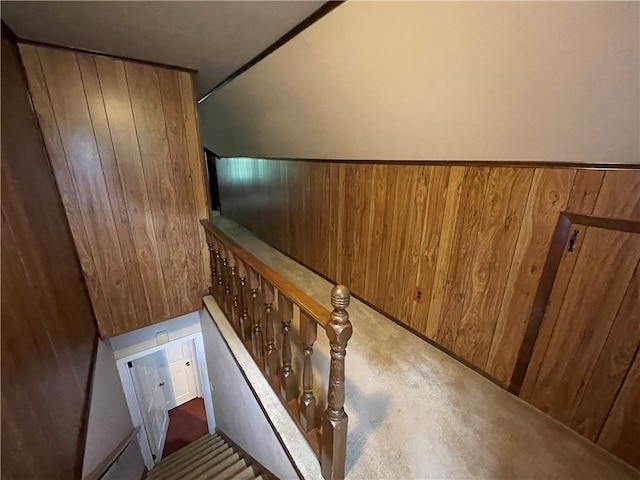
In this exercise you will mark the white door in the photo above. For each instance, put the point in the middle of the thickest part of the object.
(182, 368)
(149, 387)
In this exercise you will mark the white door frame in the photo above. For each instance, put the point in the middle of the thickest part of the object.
(132, 400)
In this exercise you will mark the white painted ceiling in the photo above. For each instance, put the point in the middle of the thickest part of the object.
(214, 37)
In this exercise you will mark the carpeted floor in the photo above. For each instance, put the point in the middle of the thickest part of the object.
(187, 423)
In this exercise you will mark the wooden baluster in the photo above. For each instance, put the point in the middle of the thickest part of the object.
(257, 346)
(309, 334)
(219, 286)
(270, 352)
(243, 301)
(212, 265)
(288, 383)
(234, 304)
(334, 423)
(223, 284)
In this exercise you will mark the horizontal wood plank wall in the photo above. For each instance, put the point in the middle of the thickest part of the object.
(472, 239)
(123, 141)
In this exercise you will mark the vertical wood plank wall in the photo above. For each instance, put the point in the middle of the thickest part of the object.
(473, 239)
(48, 329)
(123, 141)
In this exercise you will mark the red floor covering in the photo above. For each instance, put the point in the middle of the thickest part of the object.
(187, 423)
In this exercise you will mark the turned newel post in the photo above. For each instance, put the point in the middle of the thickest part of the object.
(334, 422)
(309, 334)
(270, 353)
(288, 383)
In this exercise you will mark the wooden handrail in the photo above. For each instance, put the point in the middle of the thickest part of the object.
(103, 467)
(245, 288)
(306, 303)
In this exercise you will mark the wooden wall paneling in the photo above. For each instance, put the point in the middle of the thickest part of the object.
(342, 188)
(431, 325)
(336, 193)
(589, 307)
(374, 252)
(465, 238)
(95, 102)
(429, 228)
(398, 260)
(134, 217)
(66, 92)
(285, 241)
(548, 196)
(48, 330)
(317, 238)
(620, 432)
(307, 242)
(64, 181)
(414, 241)
(619, 195)
(549, 296)
(197, 164)
(584, 192)
(186, 214)
(356, 220)
(612, 366)
(386, 238)
(505, 200)
(294, 188)
(125, 143)
(325, 218)
(146, 103)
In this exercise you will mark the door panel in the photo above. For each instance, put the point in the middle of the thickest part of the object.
(590, 334)
(182, 369)
(149, 387)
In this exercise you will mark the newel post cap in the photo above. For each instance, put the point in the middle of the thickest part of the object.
(340, 297)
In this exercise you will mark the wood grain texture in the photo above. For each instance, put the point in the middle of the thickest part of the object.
(474, 240)
(504, 203)
(48, 331)
(392, 228)
(620, 432)
(581, 325)
(548, 196)
(123, 141)
(619, 195)
(474, 188)
(612, 366)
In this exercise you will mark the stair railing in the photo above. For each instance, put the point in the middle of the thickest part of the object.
(246, 288)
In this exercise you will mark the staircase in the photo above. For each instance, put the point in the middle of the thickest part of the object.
(208, 458)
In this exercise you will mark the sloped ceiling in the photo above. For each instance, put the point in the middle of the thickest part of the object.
(215, 37)
(527, 81)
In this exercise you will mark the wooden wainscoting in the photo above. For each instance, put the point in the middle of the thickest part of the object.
(473, 240)
(124, 145)
(48, 330)
(458, 253)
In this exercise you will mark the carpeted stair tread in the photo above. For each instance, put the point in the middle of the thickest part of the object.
(232, 470)
(208, 458)
(214, 472)
(193, 461)
(200, 444)
(216, 464)
(184, 456)
(245, 474)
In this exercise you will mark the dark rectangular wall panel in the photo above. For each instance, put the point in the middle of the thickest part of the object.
(48, 329)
